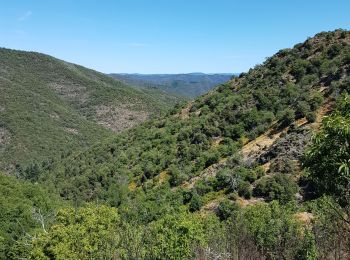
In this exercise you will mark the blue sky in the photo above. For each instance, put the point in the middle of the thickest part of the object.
(166, 36)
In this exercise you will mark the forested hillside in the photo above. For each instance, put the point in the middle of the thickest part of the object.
(48, 105)
(189, 85)
(258, 168)
(278, 102)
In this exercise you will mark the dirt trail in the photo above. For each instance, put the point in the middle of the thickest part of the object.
(325, 109)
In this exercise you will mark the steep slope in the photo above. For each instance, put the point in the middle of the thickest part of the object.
(48, 105)
(272, 108)
(188, 85)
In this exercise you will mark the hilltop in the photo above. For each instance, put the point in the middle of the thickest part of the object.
(189, 85)
(48, 106)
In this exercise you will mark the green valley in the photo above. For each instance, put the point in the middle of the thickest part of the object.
(48, 107)
(257, 168)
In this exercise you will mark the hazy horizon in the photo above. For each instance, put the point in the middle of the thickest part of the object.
(171, 37)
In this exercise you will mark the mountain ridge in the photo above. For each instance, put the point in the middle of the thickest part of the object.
(47, 102)
(185, 84)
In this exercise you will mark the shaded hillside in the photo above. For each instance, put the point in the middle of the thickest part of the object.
(48, 105)
(188, 85)
(206, 137)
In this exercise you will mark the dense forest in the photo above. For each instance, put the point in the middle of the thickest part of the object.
(258, 168)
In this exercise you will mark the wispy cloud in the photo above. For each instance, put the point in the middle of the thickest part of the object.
(137, 44)
(25, 16)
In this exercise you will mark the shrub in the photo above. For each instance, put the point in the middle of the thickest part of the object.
(311, 117)
(259, 172)
(299, 68)
(279, 187)
(287, 117)
(274, 229)
(234, 131)
(251, 176)
(196, 202)
(346, 58)
(226, 209)
(327, 159)
(343, 34)
(222, 179)
(302, 109)
(245, 189)
(211, 157)
(84, 233)
(202, 187)
(316, 99)
(173, 237)
(333, 51)
(176, 177)
(187, 196)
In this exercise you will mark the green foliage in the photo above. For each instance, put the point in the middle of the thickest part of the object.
(154, 204)
(299, 68)
(174, 237)
(274, 229)
(203, 187)
(308, 250)
(327, 159)
(245, 190)
(22, 205)
(176, 177)
(287, 117)
(329, 228)
(84, 233)
(145, 171)
(302, 110)
(223, 179)
(279, 187)
(226, 209)
(195, 203)
(196, 136)
(49, 106)
(311, 117)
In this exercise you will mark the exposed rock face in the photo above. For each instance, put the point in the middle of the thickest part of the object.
(290, 146)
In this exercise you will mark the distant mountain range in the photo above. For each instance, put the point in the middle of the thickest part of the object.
(189, 85)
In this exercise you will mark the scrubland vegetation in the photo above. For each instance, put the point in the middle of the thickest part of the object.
(258, 168)
(48, 106)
